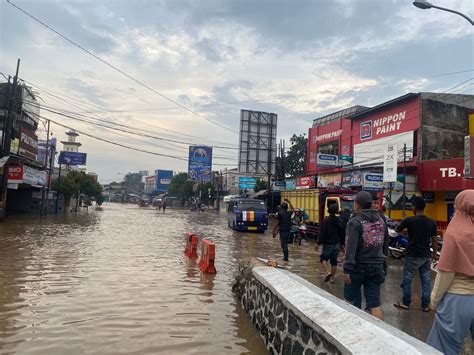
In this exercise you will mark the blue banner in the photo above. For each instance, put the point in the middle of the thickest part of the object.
(247, 183)
(200, 163)
(162, 180)
(72, 158)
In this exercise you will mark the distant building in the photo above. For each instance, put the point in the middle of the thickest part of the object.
(93, 175)
(71, 145)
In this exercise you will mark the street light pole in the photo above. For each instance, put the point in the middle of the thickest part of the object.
(425, 5)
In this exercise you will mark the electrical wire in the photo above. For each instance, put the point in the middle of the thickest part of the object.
(118, 69)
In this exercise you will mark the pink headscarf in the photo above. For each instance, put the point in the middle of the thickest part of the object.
(458, 242)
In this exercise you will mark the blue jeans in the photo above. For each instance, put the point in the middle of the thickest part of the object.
(412, 265)
(284, 236)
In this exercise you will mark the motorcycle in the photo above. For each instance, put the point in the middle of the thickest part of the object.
(397, 243)
(298, 233)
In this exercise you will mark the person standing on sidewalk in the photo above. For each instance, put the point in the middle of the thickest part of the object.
(366, 250)
(330, 235)
(421, 231)
(283, 228)
(453, 291)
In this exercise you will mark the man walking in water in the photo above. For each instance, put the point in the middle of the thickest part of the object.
(366, 250)
(421, 231)
(283, 227)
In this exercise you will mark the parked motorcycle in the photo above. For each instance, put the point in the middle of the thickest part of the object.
(397, 243)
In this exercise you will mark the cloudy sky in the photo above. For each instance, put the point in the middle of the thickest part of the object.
(203, 60)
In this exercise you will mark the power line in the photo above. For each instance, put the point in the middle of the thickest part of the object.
(123, 145)
(62, 100)
(119, 70)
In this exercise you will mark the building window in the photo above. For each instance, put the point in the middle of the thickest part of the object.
(329, 148)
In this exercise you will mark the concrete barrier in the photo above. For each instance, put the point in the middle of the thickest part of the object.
(295, 317)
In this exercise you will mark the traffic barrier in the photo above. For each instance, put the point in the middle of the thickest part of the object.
(208, 255)
(191, 245)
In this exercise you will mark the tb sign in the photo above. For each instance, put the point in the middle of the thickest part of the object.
(450, 173)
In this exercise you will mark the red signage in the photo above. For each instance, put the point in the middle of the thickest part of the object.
(403, 117)
(305, 182)
(28, 144)
(443, 175)
(15, 173)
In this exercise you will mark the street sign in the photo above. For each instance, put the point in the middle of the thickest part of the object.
(72, 158)
(390, 163)
(326, 160)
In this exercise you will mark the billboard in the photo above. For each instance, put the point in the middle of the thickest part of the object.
(72, 158)
(23, 174)
(329, 180)
(163, 180)
(257, 142)
(200, 163)
(149, 184)
(28, 144)
(247, 183)
(290, 184)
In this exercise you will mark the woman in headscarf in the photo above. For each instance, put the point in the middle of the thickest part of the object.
(453, 292)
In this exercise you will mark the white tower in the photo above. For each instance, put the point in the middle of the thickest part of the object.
(71, 145)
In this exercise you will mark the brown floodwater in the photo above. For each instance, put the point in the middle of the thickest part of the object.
(116, 282)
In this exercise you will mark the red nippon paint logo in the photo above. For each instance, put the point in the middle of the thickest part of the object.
(366, 130)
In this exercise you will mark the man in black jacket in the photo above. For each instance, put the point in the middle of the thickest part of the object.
(330, 235)
(366, 250)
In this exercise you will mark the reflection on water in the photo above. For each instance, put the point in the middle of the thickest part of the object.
(117, 281)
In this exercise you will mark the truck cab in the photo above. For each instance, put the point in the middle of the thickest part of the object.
(247, 214)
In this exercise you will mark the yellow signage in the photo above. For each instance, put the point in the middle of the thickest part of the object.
(471, 124)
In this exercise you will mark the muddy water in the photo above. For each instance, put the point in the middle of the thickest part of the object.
(116, 281)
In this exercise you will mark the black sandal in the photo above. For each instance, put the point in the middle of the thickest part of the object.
(327, 278)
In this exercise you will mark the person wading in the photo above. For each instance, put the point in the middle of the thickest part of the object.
(283, 228)
(330, 236)
(366, 250)
(421, 231)
(453, 291)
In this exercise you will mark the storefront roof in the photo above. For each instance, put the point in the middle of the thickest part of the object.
(383, 105)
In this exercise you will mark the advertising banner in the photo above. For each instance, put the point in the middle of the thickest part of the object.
(163, 180)
(372, 182)
(305, 182)
(28, 144)
(149, 184)
(352, 178)
(22, 174)
(72, 158)
(200, 163)
(390, 163)
(329, 180)
(278, 185)
(247, 183)
(290, 184)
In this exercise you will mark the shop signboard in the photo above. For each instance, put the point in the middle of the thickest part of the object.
(372, 182)
(200, 163)
(390, 163)
(28, 144)
(278, 185)
(443, 175)
(72, 158)
(327, 160)
(305, 182)
(15, 174)
(290, 184)
(247, 183)
(329, 180)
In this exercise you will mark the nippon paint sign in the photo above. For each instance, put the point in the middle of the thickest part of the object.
(328, 136)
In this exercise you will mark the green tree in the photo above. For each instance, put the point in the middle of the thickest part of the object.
(295, 158)
(260, 185)
(181, 187)
(75, 183)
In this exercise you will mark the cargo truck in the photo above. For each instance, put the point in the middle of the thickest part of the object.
(315, 203)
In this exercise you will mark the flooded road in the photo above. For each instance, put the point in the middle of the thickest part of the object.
(116, 281)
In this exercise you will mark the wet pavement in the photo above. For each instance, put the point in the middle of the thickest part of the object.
(116, 281)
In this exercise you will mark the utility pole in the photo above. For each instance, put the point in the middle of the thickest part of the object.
(404, 179)
(43, 206)
(7, 140)
(58, 190)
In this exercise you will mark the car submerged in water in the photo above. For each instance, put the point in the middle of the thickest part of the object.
(247, 214)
